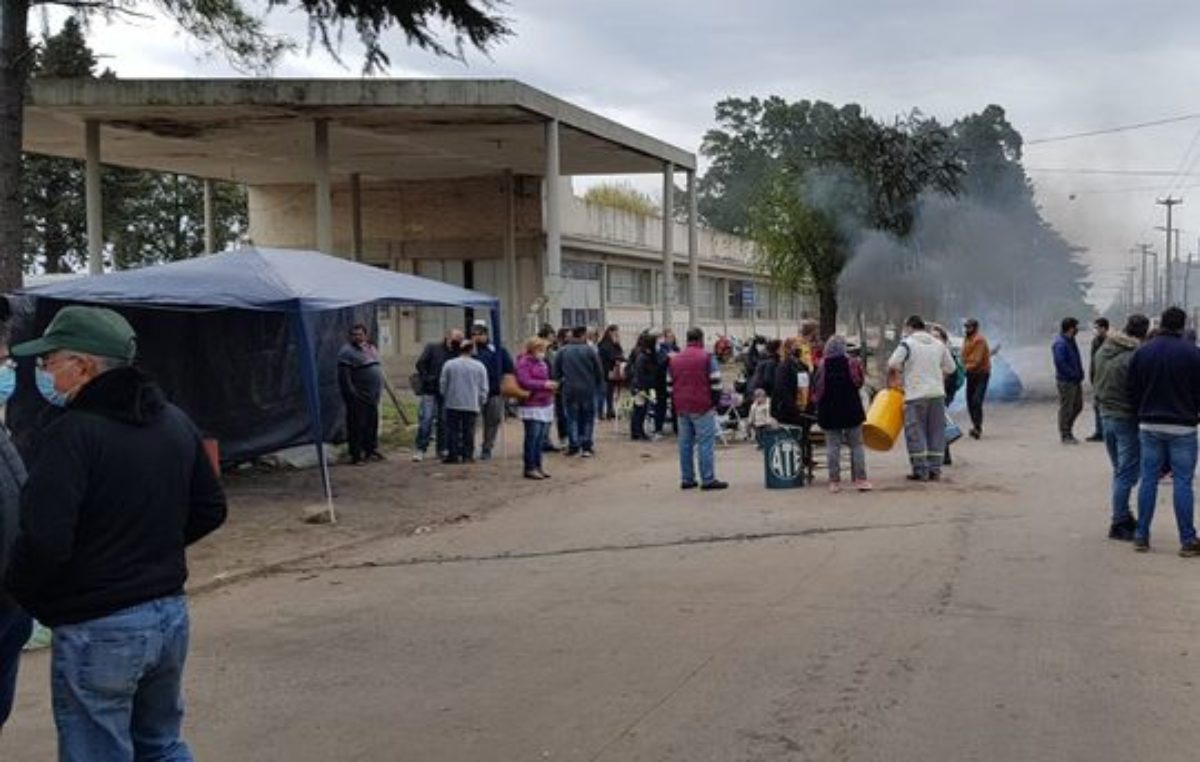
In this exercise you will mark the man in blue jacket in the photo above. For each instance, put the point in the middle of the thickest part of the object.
(1068, 372)
(1164, 387)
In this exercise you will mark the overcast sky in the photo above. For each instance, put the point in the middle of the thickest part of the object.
(1057, 67)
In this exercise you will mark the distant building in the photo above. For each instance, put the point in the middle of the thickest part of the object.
(442, 178)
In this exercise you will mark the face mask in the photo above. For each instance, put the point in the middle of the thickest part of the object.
(45, 385)
(8, 383)
(540, 356)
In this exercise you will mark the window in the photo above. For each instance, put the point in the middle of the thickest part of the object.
(787, 305)
(709, 299)
(681, 288)
(577, 317)
(741, 299)
(580, 270)
(762, 305)
(628, 286)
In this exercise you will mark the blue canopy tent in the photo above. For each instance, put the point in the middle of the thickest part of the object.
(298, 284)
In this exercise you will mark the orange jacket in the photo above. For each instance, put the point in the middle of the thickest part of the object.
(976, 355)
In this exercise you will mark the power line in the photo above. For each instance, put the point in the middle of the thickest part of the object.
(1111, 130)
(1104, 171)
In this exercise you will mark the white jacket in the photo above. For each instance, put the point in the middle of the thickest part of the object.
(925, 362)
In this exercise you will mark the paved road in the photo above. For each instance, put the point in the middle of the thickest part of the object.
(986, 618)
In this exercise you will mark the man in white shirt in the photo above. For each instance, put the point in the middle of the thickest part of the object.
(920, 365)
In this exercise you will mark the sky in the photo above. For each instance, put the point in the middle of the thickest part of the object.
(1058, 67)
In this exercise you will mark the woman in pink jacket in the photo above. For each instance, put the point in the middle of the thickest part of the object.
(537, 410)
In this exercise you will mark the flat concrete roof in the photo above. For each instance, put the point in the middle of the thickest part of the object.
(260, 131)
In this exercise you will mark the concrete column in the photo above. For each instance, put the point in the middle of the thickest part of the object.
(356, 227)
(323, 186)
(604, 294)
(553, 269)
(724, 305)
(668, 245)
(210, 227)
(95, 218)
(513, 293)
(693, 252)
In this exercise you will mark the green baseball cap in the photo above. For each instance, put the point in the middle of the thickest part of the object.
(90, 330)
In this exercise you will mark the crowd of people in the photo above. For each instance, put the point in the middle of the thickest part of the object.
(1147, 395)
(565, 381)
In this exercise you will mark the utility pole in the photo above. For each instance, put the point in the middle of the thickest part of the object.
(1144, 248)
(1169, 203)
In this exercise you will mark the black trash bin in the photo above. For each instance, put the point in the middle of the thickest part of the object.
(783, 457)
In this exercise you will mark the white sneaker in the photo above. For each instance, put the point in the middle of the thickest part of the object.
(418, 456)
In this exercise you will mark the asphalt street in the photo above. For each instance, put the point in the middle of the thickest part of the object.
(984, 618)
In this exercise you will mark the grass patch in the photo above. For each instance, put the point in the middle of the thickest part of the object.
(393, 432)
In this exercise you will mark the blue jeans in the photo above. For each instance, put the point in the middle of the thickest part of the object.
(431, 419)
(15, 626)
(535, 437)
(581, 423)
(697, 432)
(1179, 450)
(116, 684)
(1125, 452)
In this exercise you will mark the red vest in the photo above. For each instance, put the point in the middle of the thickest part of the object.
(690, 381)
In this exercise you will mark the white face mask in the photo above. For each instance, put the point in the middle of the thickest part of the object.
(540, 356)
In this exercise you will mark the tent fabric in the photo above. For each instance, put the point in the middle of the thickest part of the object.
(303, 286)
(278, 280)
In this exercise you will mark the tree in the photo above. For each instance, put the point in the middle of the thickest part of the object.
(805, 179)
(148, 217)
(55, 237)
(227, 26)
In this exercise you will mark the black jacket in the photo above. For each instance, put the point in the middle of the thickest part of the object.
(840, 406)
(12, 476)
(783, 394)
(577, 369)
(120, 487)
(1164, 381)
(645, 372)
(611, 353)
(764, 375)
(429, 366)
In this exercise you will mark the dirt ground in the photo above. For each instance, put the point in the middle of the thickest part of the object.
(395, 497)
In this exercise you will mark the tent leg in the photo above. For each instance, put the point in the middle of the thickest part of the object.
(498, 338)
(308, 375)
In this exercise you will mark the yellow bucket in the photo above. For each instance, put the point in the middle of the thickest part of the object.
(885, 420)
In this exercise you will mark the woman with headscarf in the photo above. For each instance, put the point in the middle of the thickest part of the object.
(836, 386)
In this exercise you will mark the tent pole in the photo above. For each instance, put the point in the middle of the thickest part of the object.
(498, 338)
(308, 375)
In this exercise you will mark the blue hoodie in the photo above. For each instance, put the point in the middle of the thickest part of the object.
(1068, 366)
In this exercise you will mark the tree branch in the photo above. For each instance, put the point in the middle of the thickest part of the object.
(95, 5)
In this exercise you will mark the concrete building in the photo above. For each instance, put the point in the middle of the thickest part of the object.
(460, 180)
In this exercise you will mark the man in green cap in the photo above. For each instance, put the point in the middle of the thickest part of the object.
(120, 485)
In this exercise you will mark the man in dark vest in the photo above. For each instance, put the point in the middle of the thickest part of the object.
(360, 379)
(696, 386)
